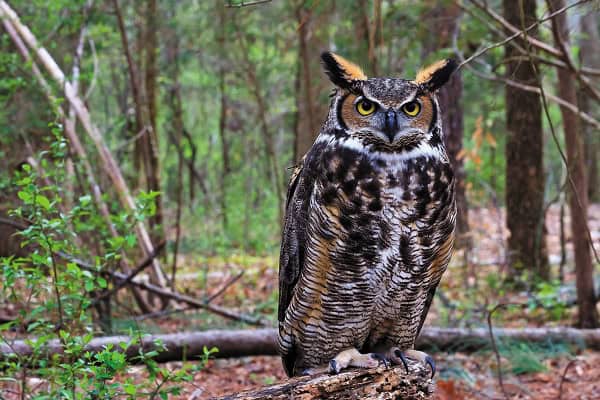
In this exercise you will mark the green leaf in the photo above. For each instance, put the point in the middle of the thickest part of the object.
(25, 196)
(42, 201)
(102, 282)
(129, 389)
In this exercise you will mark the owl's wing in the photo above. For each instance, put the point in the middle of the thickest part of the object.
(439, 263)
(293, 238)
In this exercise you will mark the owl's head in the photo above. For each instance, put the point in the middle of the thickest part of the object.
(390, 113)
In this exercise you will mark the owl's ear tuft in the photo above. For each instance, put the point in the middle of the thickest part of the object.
(342, 72)
(436, 75)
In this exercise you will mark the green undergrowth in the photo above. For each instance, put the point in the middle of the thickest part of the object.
(55, 296)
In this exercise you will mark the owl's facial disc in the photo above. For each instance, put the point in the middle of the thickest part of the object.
(390, 122)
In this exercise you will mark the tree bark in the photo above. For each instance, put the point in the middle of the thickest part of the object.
(589, 46)
(524, 158)
(151, 137)
(369, 384)
(311, 82)
(226, 163)
(176, 106)
(445, 18)
(578, 195)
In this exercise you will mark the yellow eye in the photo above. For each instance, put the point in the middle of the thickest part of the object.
(365, 107)
(411, 109)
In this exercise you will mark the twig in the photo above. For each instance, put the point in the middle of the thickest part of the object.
(494, 347)
(190, 162)
(162, 313)
(246, 4)
(168, 294)
(564, 375)
(518, 32)
(92, 85)
(227, 284)
(534, 89)
(143, 265)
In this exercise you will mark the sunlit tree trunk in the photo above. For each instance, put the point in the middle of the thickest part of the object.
(524, 158)
(578, 195)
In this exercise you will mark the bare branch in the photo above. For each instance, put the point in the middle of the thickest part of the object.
(521, 32)
(246, 3)
(495, 78)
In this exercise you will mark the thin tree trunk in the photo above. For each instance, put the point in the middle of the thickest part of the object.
(151, 74)
(174, 100)
(146, 145)
(524, 158)
(589, 51)
(578, 195)
(223, 114)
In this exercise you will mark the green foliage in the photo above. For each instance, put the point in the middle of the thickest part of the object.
(54, 295)
(548, 296)
(526, 358)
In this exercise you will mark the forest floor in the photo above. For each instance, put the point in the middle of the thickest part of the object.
(468, 291)
(530, 371)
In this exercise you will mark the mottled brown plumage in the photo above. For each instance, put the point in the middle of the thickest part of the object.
(369, 224)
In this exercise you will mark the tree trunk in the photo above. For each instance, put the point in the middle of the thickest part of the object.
(578, 195)
(311, 82)
(524, 158)
(176, 106)
(223, 114)
(589, 52)
(445, 18)
(151, 136)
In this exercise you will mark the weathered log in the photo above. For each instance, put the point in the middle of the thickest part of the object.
(378, 383)
(238, 343)
(171, 347)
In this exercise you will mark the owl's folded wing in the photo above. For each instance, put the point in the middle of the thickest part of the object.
(293, 237)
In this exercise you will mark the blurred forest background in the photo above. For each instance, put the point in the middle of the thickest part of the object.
(145, 148)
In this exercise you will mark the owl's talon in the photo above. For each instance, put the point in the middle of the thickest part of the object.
(424, 358)
(334, 367)
(381, 358)
(397, 357)
(431, 364)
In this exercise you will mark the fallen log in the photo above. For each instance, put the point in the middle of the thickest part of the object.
(377, 383)
(169, 347)
(238, 343)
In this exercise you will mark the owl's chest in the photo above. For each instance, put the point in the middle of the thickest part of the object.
(378, 216)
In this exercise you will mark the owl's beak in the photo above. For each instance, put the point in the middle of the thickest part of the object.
(390, 127)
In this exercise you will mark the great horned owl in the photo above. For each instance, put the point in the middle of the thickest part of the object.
(369, 227)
